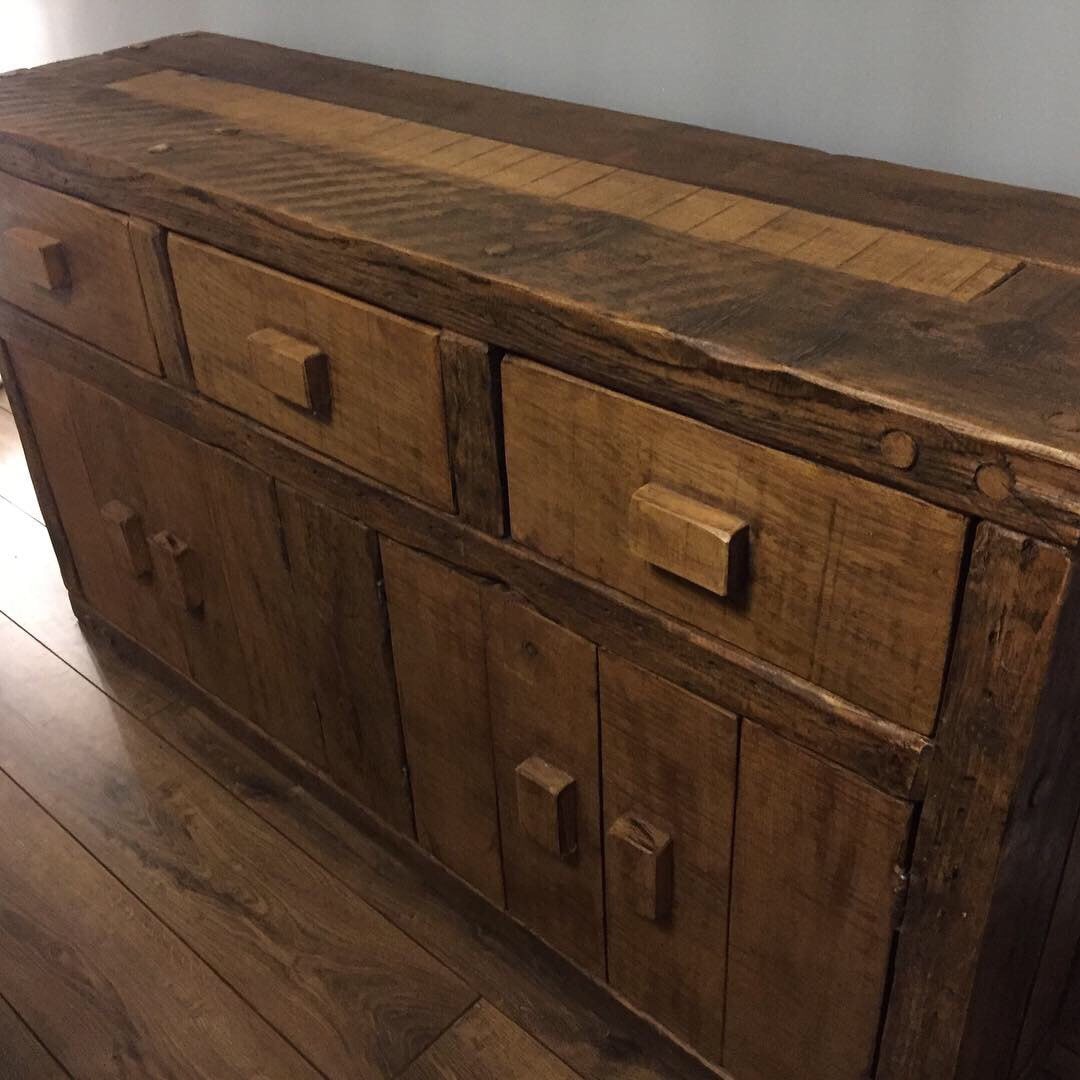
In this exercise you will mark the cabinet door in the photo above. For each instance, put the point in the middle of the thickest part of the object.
(437, 628)
(543, 692)
(340, 618)
(304, 583)
(669, 762)
(129, 495)
(262, 597)
(817, 865)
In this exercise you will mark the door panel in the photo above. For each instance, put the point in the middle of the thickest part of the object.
(816, 875)
(669, 762)
(544, 715)
(340, 618)
(437, 625)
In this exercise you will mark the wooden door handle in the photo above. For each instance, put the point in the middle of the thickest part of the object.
(689, 538)
(296, 371)
(37, 258)
(177, 568)
(547, 805)
(641, 858)
(126, 537)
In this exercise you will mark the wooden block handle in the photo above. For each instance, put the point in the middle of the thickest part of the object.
(642, 861)
(125, 532)
(37, 258)
(178, 570)
(689, 538)
(296, 371)
(547, 805)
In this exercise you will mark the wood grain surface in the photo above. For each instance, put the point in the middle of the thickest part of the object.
(1040, 225)
(804, 358)
(899, 259)
(670, 760)
(548, 996)
(818, 876)
(849, 585)
(343, 985)
(888, 755)
(110, 989)
(102, 298)
(543, 695)
(437, 627)
(484, 1045)
(1001, 775)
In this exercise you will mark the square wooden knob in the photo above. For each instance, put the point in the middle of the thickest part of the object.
(547, 805)
(37, 258)
(123, 525)
(641, 860)
(689, 538)
(294, 370)
(177, 569)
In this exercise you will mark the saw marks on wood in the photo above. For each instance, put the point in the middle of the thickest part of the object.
(874, 254)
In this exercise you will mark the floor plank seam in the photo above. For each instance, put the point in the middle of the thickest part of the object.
(86, 678)
(449, 1027)
(169, 929)
(5, 1000)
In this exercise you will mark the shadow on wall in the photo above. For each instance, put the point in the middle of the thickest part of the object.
(981, 87)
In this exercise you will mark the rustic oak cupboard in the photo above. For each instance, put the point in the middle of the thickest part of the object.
(672, 533)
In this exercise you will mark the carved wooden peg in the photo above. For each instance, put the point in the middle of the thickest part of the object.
(296, 371)
(177, 567)
(642, 860)
(37, 258)
(899, 449)
(689, 538)
(125, 532)
(547, 805)
(994, 481)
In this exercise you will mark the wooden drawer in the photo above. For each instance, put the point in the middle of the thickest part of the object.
(72, 264)
(356, 383)
(542, 690)
(842, 582)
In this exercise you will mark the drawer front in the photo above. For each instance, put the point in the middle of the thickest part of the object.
(845, 583)
(543, 692)
(669, 765)
(72, 264)
(356, 383)
(437, 630)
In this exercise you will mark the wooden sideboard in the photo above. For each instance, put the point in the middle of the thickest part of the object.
(672, 532)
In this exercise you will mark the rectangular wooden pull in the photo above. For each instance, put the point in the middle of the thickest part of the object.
(296, 371)
(177, 568)
(547, 805)
(689, 538)
(37, 258)
(125, 531)
(641, 859)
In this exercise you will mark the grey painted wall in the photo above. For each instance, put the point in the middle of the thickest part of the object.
(989, 88)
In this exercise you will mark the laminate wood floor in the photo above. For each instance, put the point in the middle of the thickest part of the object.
(173, 906)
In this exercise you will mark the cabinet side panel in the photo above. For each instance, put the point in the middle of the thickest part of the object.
(1016, 593)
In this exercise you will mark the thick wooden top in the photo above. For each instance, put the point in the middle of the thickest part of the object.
(812, 302)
